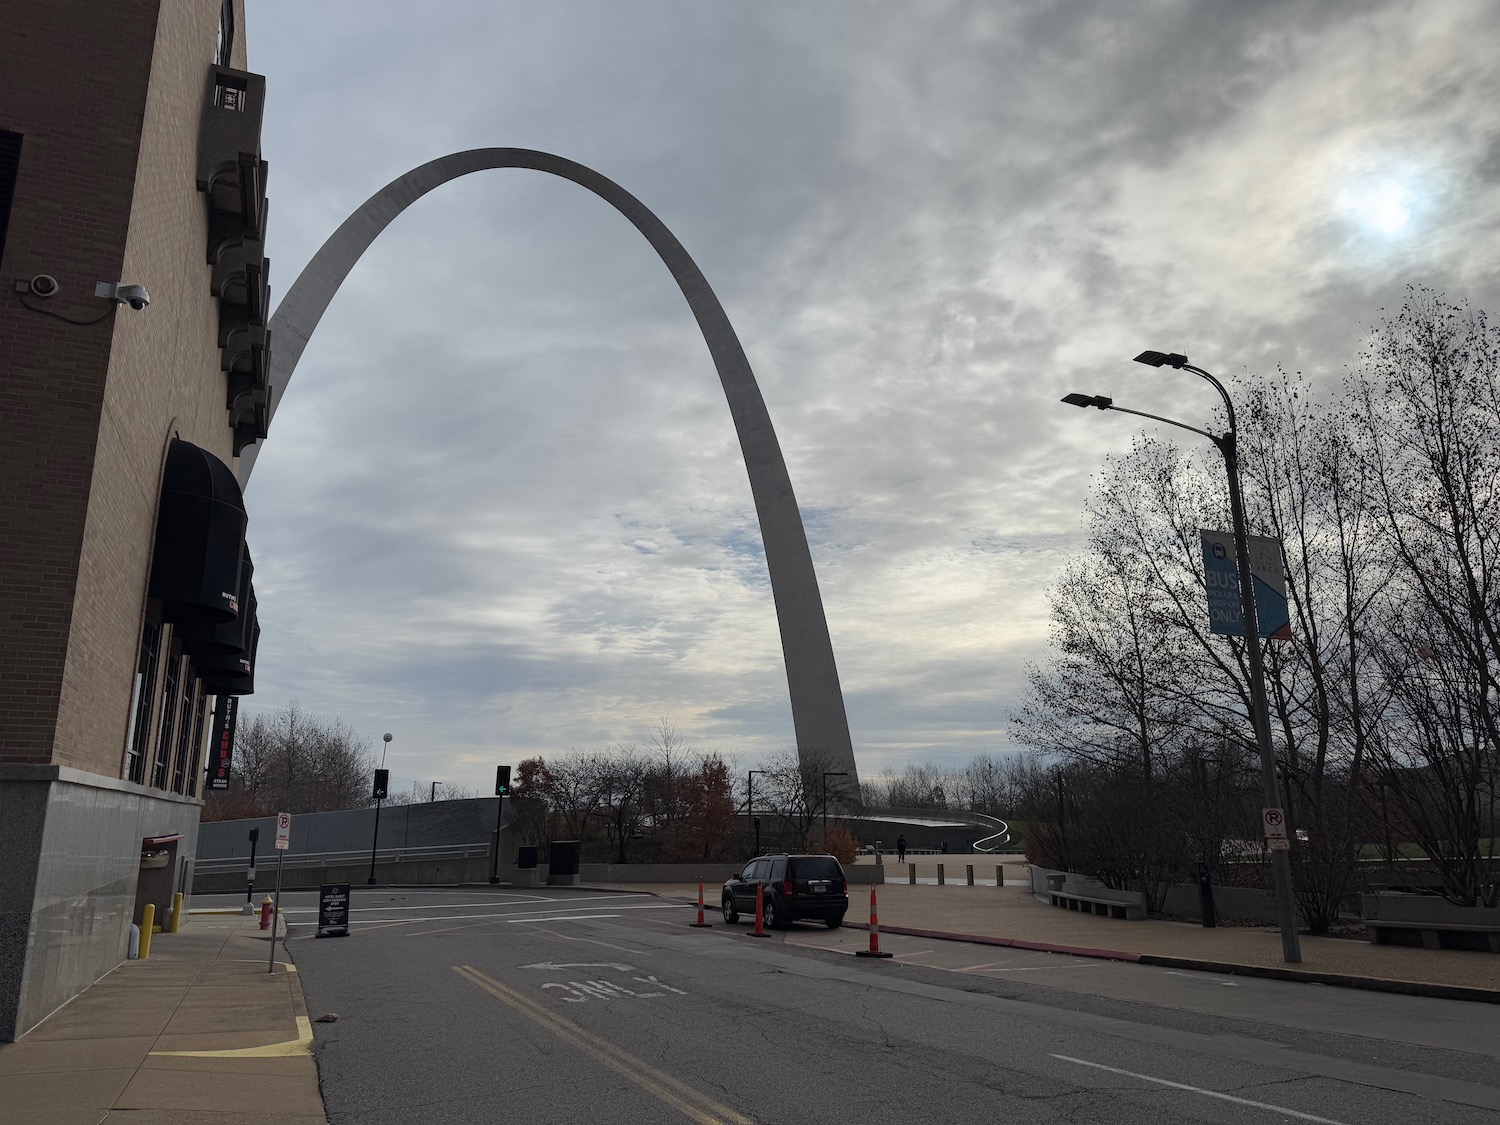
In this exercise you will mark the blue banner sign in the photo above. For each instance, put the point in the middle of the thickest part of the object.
(1221, 575)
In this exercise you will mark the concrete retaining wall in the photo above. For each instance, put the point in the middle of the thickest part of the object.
(432, 824)
(450, 872)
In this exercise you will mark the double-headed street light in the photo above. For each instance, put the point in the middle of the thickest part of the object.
(1281, 866)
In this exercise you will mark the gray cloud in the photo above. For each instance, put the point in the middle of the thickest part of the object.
(503, 509)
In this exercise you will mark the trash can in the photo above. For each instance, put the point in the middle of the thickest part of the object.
(562, 863)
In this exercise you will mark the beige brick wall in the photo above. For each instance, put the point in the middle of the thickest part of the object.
(73, 83)
(164, 380)
(108, 98)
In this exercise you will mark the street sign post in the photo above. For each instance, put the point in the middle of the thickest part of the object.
(283, 841)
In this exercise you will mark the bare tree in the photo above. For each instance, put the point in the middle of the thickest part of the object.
(292, 761)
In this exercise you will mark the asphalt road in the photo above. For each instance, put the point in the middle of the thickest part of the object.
(557, 1006)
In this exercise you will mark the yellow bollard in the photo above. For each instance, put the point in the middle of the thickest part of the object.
(148, 920)
(176, 912)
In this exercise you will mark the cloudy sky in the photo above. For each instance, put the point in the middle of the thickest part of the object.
(502, 510)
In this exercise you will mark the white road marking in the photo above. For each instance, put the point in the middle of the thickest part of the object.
(606, 944)
(513, 917)
(659, 984)
(520, 900)
(583, 990)
(1201, 979)
(1298, 1114)
(582, 965)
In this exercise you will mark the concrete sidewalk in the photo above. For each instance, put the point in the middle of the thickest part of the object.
(1012, 915)
(199, 1033)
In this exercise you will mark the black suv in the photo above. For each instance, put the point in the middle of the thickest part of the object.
(796, 886)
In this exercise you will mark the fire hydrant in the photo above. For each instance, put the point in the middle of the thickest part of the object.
(267, 912)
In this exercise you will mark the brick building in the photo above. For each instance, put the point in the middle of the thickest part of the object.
(129, 156)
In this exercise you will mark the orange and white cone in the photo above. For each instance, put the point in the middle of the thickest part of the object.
(874, 950)
(700, 924)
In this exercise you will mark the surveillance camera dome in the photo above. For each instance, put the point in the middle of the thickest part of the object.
(133, 295)
(44, 285)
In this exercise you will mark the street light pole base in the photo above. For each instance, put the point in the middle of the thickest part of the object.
(370, 882)
(494, 879)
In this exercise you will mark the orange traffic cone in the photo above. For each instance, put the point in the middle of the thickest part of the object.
(760, 912)
(874, 950)
(700, 924)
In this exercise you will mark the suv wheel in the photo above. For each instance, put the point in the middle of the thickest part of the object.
(834, 921)
(768, 912)
(731, 915)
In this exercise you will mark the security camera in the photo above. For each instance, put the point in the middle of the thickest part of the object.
(133, 295)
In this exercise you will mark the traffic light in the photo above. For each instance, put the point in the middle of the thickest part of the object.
(382, 783)
(502, 781)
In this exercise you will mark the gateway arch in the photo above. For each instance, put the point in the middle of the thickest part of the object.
(822, 728)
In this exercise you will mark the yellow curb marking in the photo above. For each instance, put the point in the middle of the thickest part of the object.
(302, 1045)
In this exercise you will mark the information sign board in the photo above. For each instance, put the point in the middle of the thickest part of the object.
(333, 910)
(1221, 575)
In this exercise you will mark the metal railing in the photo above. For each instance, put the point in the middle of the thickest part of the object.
(331, 859)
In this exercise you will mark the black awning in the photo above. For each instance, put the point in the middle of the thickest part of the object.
(232, 675)
(228, 638)
(200, 538)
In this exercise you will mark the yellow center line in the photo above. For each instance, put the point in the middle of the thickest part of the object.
(680, 1096)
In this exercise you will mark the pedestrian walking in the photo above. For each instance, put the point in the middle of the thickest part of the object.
(901, 849)
(943, 847)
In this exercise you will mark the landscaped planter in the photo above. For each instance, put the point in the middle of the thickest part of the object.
(1426, 920)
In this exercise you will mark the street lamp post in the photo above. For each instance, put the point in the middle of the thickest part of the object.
(826, 775)
(750, 804)
(375, 836)
(1281, 867)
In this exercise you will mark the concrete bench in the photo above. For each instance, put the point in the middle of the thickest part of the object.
(1067, 895)
(1434, 935)
(1410, 919)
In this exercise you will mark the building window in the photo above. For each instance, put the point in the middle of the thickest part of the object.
(140, 709)
(169, 707)
(10, 167)
(189, 696)
(225, 46)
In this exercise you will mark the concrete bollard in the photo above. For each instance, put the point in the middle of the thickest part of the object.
(176, 913)
(911, 874)
(940, 876)
(969, 873)
(148, 922)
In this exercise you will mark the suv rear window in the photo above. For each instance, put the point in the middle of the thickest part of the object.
(816, 867)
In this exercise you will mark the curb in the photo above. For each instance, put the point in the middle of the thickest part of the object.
(1008, 943)
(1304, 976)
(1336, 980)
